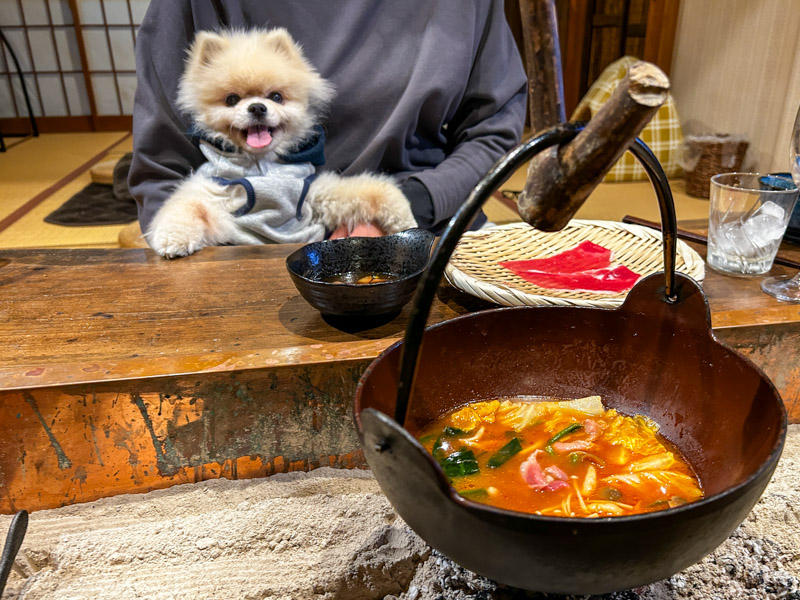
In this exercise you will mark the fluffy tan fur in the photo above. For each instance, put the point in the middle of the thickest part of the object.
(225, 75)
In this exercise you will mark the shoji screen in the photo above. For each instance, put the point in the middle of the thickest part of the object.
(77, 57)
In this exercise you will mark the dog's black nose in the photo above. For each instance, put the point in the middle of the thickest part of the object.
(257, 109)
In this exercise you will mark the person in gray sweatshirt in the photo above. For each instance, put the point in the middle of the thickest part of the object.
(430, 92)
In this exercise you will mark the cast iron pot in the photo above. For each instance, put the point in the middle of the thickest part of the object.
(655, 355)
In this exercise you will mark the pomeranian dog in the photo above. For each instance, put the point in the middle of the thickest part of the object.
(256, 105)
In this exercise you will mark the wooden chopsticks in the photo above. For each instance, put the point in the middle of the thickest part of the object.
(699, 238)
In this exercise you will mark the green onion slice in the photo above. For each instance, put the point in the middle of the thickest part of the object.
(564, 432)
(501, 456)
(478, 494)
(459, 464)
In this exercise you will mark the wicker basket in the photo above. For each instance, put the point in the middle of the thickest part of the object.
(473, 267)
(706, 156)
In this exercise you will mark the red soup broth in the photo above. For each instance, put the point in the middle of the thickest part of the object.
(569, 458)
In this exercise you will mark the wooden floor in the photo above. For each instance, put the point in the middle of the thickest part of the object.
(37, 175)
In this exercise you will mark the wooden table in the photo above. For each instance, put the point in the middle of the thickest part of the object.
(122, 372)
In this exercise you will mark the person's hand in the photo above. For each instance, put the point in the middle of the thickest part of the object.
(360, 230)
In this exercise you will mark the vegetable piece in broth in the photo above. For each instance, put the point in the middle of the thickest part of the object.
(506, 452)
(459, 464)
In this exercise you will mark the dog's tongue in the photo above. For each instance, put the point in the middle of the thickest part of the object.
(258, 137)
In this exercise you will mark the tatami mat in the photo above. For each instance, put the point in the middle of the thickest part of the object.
(31, 168)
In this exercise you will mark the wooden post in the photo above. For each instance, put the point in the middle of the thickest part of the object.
(659, 41)
(560, 179)
(543, 61)
(87, 76)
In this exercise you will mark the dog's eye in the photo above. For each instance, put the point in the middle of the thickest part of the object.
(276, 97)
(232, 99)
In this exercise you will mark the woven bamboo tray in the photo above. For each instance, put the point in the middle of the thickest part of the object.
(473, 267)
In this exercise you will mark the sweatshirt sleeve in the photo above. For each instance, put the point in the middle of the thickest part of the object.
(489, 121)
(162, 152)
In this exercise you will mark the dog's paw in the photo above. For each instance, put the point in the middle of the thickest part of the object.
(358, 200)
(191, 219)
(175, 244)
(396, 210)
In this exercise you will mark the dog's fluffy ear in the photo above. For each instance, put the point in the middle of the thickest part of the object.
(206, 45)
(279, 40)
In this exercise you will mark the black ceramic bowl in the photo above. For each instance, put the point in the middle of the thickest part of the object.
(403, 255)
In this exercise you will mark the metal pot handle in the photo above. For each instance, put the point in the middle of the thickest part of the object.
(16, 533)
(500, 172)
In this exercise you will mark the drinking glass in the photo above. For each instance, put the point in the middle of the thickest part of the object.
(747, 218)
(785, 287)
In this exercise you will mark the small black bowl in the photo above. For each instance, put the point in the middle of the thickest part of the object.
(404, 255)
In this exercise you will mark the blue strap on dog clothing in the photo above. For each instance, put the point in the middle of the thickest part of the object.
(248, 188)
(251, 194)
